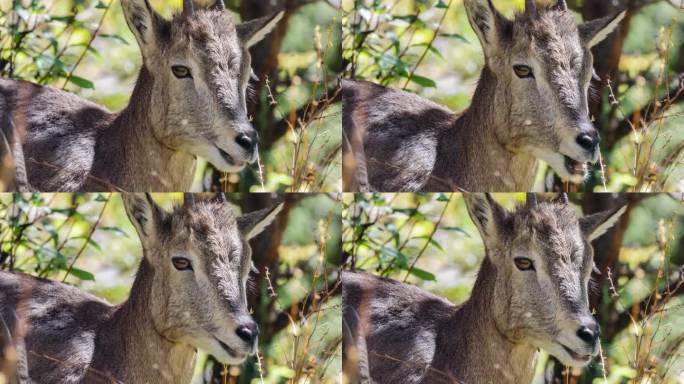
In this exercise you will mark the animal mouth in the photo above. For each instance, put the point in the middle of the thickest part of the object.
(231, 352)
(229, 159)
(576, 355)
(575, 167)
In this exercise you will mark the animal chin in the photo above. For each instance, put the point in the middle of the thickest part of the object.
(230, 164)
(575, 168)
(576, 359)
(233, 356)
(566, 167)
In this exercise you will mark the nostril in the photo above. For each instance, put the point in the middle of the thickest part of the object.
(587, 335)
(245, 142)
(245, 334)
(248, 333)
(587, 142)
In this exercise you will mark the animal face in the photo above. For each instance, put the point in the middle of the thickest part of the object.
(201, 260)
(200, 68)
(543, 67)
(543, 260)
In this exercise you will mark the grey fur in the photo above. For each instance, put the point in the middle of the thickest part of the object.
(402, 142)
(74, 337)
(398, 333)
(71, 144)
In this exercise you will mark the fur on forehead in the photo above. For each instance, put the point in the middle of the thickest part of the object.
(554, 224)
(549, 217)
(204, 218)
(205, 28)
(550, 30)
(547, 214)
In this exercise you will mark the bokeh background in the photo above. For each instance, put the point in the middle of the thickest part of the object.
(429, 48)
(429, 240)
(90, 236)
(89, 43)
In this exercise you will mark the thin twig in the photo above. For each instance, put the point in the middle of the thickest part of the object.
(87, 239)
(90, 42)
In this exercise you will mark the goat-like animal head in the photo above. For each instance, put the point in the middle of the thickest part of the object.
(201, 262)
(200, 68)
(543, 67)
(543, 259)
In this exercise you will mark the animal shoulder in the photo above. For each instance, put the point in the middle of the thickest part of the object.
(404, 326)
(390, 298)
(63, 320)
(59, 130)
(50, 301)
(402, 134)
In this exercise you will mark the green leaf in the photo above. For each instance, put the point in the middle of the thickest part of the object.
(441, 4)
(83, 275)
(455, 36)
(423, 274)
(430, 240)
(81, 82)
(456, 229)
(407, 18)
(116, 230)
(423, 81)
(114, 37)
(90, 241)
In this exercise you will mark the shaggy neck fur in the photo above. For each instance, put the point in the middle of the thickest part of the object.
(144, 354)
(474, 147)
(130, 157)
(485, 355)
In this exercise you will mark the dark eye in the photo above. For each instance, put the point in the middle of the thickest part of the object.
(181, 71)
(524, 264)
(181, 263)
(523, 71)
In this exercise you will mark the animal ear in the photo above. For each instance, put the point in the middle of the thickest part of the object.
(253, 223)
(145, 24)
(253, 31)
(594, 226)
(488, 23)
(486, 213)
(143, 212)
(594, 31)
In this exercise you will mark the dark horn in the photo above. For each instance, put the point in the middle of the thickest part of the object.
(562, 5)
(188, 9)
(530, 7)
(532, 200)
(188, 199)
(220, 4)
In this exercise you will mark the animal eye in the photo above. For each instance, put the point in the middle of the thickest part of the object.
(181, 71)
(524, 264)
(181, 263)
(523, 71)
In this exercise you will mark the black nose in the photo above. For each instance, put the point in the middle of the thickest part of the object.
(248, 332)
(589, 333)
(588, 141)
(247, 142)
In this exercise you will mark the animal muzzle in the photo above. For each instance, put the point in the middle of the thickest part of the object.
(588, 140)
(580, 148)
(584, 343)
(248, 140)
